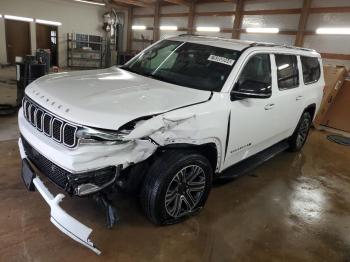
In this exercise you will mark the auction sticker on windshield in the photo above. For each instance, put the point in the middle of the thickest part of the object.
(220, 59)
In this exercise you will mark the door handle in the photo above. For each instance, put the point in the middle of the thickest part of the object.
(298, 98)
(269, 106)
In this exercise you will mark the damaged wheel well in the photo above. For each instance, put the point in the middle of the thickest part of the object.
(208, 150)
(132, 177)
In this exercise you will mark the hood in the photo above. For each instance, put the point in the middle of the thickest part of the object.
(109, 98)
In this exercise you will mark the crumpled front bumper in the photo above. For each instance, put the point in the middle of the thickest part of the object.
(60, 218)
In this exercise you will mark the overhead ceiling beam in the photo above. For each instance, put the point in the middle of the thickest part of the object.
(178, 2)
(149, 2)
(131, 2)
(273, 11)
(338, 9)
(237, 24)
(221, 13)
(110, 4)
(305, 11)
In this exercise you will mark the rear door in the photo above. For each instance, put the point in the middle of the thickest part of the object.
(289, 93)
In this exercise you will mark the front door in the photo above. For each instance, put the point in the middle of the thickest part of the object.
(17, 39)
(252, 120)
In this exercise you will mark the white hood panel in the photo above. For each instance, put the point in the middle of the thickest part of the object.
(109, 98)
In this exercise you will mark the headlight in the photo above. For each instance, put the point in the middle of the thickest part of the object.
(88, 135)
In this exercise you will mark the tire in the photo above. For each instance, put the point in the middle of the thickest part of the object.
(298, 139)
(172, 176)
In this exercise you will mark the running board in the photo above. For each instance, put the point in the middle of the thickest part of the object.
(253, 161)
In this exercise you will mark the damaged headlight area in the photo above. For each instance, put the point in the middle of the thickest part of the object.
(88, 135)
(91, 182)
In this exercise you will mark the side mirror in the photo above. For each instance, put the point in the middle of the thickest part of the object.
(251, 89)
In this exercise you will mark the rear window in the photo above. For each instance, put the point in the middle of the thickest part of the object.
(287, 71)
(311, 69)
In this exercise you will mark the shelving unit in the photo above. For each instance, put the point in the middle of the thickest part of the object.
(84, 51)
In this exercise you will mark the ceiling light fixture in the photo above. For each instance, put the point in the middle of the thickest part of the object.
(271, 30)
(19, 18)
(333, 31)
(89, 2)
(168, 27)
(208, 29)
(138, 27)
(47, 22)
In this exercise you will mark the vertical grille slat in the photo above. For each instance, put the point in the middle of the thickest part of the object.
(57, 129)
(32, 114)
(69, 131)
(39, 119)
(47, 124)
(27, 110)
(52, 126)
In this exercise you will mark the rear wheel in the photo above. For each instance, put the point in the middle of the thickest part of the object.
(176, 186)
(298, 139)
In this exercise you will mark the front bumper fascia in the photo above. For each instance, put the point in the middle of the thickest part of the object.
(60, 218)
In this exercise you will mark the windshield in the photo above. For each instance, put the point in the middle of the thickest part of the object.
(192, 65)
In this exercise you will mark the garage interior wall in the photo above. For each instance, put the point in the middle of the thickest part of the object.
(287, 23)
(75, 17)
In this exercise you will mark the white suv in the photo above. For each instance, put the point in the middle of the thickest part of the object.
(183, 112)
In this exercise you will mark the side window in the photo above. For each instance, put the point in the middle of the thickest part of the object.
(287, 71)
(255, 77)
(311, 69)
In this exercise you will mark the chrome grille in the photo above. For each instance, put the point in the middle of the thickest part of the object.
(52, 126)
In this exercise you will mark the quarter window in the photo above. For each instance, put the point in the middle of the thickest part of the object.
(311, 69)
(287, 71)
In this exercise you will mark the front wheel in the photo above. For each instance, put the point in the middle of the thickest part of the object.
(298, 139)
(176, 186)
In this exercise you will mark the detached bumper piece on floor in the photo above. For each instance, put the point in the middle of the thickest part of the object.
(63, 221)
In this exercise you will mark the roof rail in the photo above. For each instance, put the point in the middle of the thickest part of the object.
(299, 48)
(284, 46)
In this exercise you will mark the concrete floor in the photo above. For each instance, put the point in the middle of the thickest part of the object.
(295, 207)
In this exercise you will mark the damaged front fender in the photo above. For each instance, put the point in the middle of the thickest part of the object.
(157, 124)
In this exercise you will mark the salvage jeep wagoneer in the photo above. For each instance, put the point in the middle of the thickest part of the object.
(183, 112)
